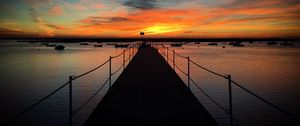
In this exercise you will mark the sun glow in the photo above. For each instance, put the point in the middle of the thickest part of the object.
(163, 28)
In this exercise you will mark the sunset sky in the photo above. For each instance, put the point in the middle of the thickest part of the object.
(157, 18)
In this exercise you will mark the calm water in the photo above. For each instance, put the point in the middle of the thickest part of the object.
(270, 71)
(30, 71)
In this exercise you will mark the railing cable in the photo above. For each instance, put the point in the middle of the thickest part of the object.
(181, 70)
(35, 104)
(117, 70)
(220, 75)
(76, 77)
(181, 56)
(269, 103)
(219, 105)
(86, 102)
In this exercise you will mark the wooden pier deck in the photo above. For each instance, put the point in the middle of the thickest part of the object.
(149, 93)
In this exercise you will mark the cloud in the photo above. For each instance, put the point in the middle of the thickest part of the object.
(152, 4)
(96, 20)
(8, 30)
(12, 32)
(38, 3)
(141, 4)
(56, 10)
(35, 17)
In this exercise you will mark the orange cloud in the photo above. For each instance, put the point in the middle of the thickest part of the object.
(237, 19)
(56, 10)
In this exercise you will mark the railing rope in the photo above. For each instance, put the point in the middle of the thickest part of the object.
(188, 72)
(124, 59)
(109, 71)
(132, 52)
(176, 66)
(174, 59)
(267, 102)
(230, 81)
(230, 98)
(77, 110)
(220, 75)
(167, 55)
(35, 104)
(70, 100)
(74, 78)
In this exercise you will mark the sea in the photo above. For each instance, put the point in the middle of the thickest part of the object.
(31, 71)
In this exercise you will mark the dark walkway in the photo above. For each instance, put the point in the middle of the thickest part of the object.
(149, 93)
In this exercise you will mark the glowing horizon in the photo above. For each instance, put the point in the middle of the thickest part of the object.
(157, 18)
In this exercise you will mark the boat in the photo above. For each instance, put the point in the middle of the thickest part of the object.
(197, 43)
(176, 44)
(59, 47)
(50, 45)
(231, 43)
(212, 44)
(287, 44)
(238, 44)
(272, 43)
(184, 43)
(98, 45)
(109, 43)
(121, 45)
(84, 43)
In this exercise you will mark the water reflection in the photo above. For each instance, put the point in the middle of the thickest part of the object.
(31, 71)
(271, 72)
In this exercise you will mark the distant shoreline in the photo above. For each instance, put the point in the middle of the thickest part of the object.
(75, 40)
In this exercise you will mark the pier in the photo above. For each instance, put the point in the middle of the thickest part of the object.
(149, 92)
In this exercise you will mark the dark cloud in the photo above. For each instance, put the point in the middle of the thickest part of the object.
(141, 4)
(151, 4)
(55, 26)
(260, 4)
(99, 20)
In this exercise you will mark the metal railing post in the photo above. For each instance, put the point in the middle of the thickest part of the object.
(188, 72)
(124, 59)
(167, 55)
(174, 59)
(110, 72)
(129, 53)
(164, 52)
(230, 99)
(70, 100)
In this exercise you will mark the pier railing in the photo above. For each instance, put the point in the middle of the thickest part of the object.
(126, 54)
(166, 52)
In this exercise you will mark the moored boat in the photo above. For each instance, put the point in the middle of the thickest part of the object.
(176, 44)
(287, 44)
(272, 43)
(84, 43)
(212, 44)
(98, 45)
(59, 47)
(121, 45)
